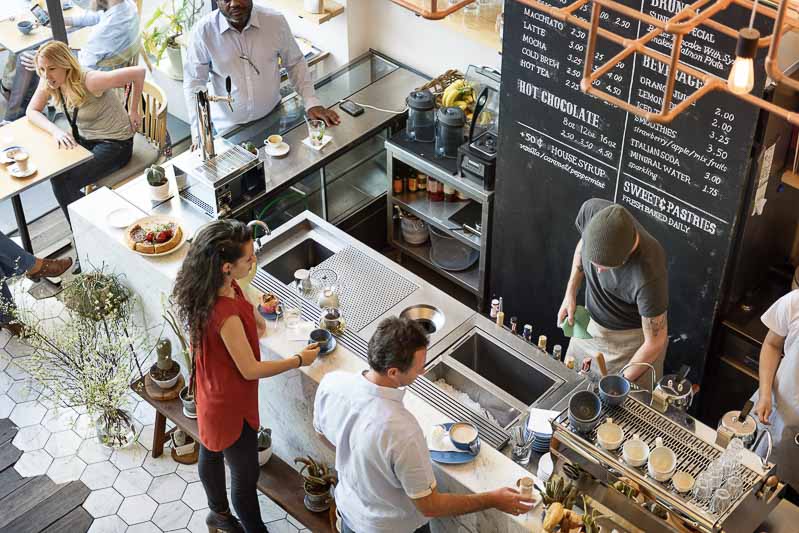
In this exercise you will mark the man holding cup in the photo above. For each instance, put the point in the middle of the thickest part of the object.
(386, 482)
(250, 44)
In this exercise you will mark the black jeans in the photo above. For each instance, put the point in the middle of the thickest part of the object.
(242, 458)
(345, 528)
(109, 156)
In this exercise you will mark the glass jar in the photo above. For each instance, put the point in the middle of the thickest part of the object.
(449, 193)
(412, 183)
(435, 190)
(421, 181)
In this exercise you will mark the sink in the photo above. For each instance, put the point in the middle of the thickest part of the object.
(515, 374)
(306, 254)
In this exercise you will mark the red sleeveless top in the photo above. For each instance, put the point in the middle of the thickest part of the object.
(223, 397)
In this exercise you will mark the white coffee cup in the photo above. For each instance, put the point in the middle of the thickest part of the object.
(315, 6)
(662, 462)
(21, 159)
(610, 435)
(635, 451)
(273, 142)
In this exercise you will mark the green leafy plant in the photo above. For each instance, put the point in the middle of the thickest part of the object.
(168, 22)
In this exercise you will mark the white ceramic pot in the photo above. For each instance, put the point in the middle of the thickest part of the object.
(181, 180)
(315, 6)
(159, 193)
(264, 456)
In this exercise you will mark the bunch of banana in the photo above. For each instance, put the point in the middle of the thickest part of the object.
(459, 94)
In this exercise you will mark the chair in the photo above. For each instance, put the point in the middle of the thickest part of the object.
(149, 141)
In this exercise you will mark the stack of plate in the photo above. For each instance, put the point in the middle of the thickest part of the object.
(541, 441)
(540, 428)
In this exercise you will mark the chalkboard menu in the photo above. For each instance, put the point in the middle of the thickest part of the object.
(684, 181)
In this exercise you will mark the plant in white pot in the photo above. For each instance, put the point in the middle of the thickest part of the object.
(86, 348)
(159, 185)
(164, 372)
(168, 22)
(264, 445)
(187, 393)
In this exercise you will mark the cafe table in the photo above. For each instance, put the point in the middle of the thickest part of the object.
(15, 41)
(45, 155)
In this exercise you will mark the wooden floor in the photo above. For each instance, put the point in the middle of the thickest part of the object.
(34, 504)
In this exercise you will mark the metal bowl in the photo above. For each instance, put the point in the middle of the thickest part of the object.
(613, 389)
(585, 407)
(430, 318)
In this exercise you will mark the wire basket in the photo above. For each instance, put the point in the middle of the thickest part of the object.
(439, 84)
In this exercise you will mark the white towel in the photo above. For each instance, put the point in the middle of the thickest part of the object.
(539, 421)
(326, 139)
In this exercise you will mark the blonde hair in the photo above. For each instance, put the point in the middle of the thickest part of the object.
(59, 55)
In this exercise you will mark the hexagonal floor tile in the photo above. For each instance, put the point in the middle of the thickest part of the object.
(59, 418)
(84, 426)
(282, 526)
(144, 413)
(16, 347)
(65, 469)
(103, 502)
(160, 466)
(294, 522)
(31, 438)
(6, 405)
(27, 414)
(145, 437)
(172, 515)
(129, 457)
(63, 443)
(5, 360)
(189, 473)
(15, 370)
(5, 380)
(33, 463)
(99, 475)
(270, 511)
(24, 391)
(167, 488)
(137, 509)
(194, 496)
(197, 522)
(91, 451)
(133, 482)
(147, 527)
(108, 524)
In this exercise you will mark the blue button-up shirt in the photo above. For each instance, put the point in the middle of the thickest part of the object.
(382, 459)
(215, 52)
(115, 31)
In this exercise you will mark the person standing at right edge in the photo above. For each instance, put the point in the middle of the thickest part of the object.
(626, 291)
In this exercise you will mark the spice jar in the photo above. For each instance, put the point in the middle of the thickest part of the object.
(399, 186)
(435, 190)
(449, 193)
(421, 181)
(460, 196)
(412, 182)
(494, 308)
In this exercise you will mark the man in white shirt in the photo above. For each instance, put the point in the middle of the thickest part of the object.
(386, 482)
(249, 44)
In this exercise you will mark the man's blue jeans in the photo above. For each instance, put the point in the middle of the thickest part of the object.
(13, 261)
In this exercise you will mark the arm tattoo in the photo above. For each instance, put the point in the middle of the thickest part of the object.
(580, 268)
(653, 326)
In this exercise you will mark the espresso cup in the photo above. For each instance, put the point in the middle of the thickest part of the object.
(322, 337)
(274, 141)
(25, 26)
(662, 462)
(21, 159)
(464, 436)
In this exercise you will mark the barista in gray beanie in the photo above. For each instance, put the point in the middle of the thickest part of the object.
(626, 290)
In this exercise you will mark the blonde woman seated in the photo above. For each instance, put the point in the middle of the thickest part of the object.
(98, 119)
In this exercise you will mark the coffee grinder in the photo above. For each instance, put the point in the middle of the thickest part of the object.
(477, 158)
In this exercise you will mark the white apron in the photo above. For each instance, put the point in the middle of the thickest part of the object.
(783, 319)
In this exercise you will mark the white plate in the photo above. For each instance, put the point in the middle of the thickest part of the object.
(122, 217)
(281, 150)
(14, 171)
(4, 159)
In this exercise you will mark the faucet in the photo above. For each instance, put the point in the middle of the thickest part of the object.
(205, 125)
(260, 224)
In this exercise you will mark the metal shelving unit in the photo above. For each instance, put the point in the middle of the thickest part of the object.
(420, 156)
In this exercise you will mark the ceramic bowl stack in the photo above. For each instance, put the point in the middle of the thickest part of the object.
(540, 427)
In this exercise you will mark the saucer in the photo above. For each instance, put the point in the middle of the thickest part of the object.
(122, 217)
(281, 150)
(332, 346)
(15, 171)
(453, 458)
(4, 158)
(267, 316)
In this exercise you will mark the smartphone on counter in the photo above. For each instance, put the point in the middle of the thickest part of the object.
(40, 14)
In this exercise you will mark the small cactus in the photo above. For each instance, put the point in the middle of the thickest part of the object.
(164, 351)
(156, 176)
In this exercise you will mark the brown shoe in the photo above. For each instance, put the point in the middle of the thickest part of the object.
(17, 329)
(50, 268)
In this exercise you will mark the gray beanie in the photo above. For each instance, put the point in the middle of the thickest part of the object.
(609, 237)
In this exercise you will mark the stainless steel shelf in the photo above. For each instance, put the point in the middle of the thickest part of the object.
(468, 279)
(437, 214)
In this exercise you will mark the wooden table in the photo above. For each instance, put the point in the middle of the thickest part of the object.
(278, 480)
(15, 41)
(44, 154)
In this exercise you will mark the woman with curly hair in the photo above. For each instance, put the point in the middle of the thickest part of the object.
(224, 328)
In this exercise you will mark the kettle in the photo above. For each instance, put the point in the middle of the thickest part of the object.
(742, 425)
(675, 390)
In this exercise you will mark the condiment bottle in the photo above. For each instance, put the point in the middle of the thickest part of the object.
(557, 351)
(435, 192)
(449, 193)
(460, 196)
(494, 308)
(412, 182)
(399, 187)
(501, 318)
(542, 342)
(569, 361)
(421, 181)
(527, 333)
(514, 324)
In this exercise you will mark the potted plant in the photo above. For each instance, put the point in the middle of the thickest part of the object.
(264, 445)
(159, 186)
(164, 372)
(187, 393)
(182, 442)
(318, 479)
(168, 22)
(86, 348)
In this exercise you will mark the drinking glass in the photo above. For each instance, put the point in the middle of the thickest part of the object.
(292, 314)
(735, 485)
(702, 489)
(721, 500)
(715, 474)
(316, 132)
(730, 463)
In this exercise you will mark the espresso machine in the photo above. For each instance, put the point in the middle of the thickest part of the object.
(221, 175)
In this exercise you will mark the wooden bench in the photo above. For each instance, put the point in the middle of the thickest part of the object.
(278, 480)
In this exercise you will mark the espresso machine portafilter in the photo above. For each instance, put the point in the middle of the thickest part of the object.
(204, 123)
